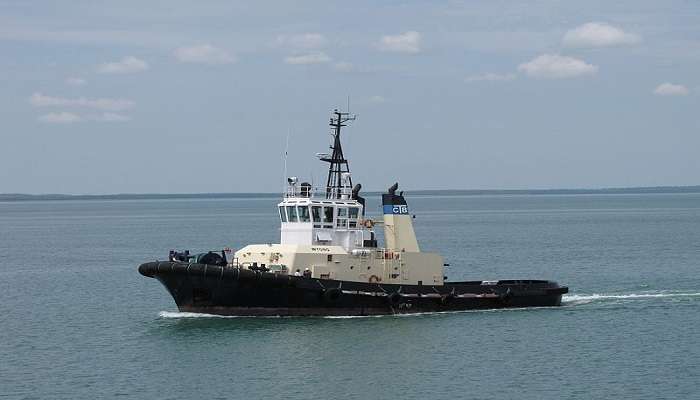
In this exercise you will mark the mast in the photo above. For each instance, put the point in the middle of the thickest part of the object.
(338, 165)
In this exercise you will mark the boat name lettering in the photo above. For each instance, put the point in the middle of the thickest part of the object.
(320, 249)
(396, 209)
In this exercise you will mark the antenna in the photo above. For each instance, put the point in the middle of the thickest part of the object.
(338, 164)
(286, 152)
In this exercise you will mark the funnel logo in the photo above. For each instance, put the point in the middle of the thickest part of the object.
(398, 209)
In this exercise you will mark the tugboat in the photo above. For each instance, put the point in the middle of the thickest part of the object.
(329, 261)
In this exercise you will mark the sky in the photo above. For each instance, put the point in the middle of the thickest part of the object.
(191, 96)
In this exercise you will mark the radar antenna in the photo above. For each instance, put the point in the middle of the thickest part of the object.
(338, 164)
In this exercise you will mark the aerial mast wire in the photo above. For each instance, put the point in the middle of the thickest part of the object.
(286, 153)
(338, 163)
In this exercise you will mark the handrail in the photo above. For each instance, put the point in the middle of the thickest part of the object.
(318, 191)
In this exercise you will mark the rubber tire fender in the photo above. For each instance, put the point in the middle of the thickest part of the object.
(394, 298)
(505, 296)
(332, 295)
(447, 299)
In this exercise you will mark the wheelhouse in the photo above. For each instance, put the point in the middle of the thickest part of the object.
(320, 221)
(329, 215)
(322, 214)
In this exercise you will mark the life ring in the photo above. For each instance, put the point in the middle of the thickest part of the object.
(374, 279)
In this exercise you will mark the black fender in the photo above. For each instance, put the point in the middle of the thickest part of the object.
(394, 298)
(447, 298)
(506, 296)
(332, 295)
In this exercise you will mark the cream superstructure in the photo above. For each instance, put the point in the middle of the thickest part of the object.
(325, 232)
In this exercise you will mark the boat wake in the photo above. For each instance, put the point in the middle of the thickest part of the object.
(185, 315)
(177, 314)
(578, 299)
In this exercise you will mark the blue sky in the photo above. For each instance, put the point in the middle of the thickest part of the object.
(183, 96)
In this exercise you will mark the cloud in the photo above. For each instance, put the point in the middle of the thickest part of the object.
(554, 66)
(305, 41)
(126, 65)
(597, 34)
(377, 99)
(344, 66)
(490, 77)
(310, 58)
(669, 89)
(69, 118)
(407, 42)
(40, 100)
(74, 81)
(60, 118)
(204, 54)
(111, 117)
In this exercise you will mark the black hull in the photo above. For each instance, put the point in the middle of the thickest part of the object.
(220, 290)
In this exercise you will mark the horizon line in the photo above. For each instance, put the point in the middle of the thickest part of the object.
(131, 196)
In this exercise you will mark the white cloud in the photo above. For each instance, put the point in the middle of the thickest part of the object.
(111, 117)
(377, 99)
(554, 66)
(69, 117)
(40, 100)
(204, 54)
(126, 65)
(60, 118)
(344, 66)
(407, 42)
(669, 89)
(490, 77)
(597, 34)
(74, 81)
(310, 58)
(303, 41)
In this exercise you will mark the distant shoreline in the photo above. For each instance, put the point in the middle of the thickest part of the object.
(443, 192)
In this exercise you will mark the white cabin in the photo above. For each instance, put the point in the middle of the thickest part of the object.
(309, 219)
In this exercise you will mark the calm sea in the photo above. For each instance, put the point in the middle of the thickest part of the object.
(77, 321)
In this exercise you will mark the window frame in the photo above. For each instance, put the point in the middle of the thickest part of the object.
(283, 213)
(317, 217)
(301, 214)
(352, 219)
(328, 211)
(291, 214)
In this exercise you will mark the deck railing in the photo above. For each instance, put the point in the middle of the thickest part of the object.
(318, 191)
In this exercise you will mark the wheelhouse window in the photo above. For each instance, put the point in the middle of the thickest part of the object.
(327, 217)
(304, 214)
(283, 215)
(353, 213)
(342, 220)
(292, 213)
(316, 215)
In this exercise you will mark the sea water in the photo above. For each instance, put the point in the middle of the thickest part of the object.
(77, 321)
